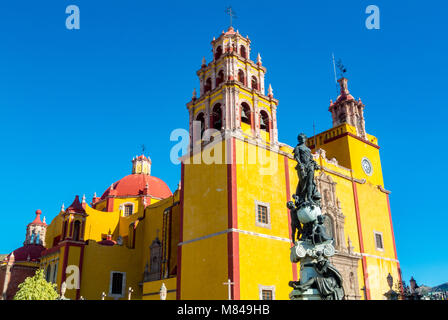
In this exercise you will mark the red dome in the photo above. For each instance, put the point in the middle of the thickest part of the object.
(134, 184)
(32, 250)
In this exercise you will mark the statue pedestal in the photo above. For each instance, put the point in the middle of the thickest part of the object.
(310, 294)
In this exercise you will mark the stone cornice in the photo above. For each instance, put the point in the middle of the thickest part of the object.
(231, 84)
(384, 190)
(214, 63)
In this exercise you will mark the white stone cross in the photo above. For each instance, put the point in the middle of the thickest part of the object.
(229, 284)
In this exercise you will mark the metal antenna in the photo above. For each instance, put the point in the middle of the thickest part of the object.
(335, 77)
(231, 13)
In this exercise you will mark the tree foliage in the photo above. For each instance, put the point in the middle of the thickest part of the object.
(36, 288)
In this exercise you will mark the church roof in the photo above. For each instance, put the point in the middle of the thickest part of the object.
(134, 184)
(37, 219)
(76, 207)
(33, 251)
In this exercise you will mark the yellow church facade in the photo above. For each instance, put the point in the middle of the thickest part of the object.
(228, 218)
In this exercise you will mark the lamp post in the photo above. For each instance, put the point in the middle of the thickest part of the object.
(391, 294)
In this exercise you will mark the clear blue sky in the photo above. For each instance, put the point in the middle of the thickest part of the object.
(77, 104)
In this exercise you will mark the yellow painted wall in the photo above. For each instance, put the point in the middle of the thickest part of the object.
(204, 262)
(99, 261)
(151, 290)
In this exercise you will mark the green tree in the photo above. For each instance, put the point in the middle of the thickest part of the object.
(36, 288)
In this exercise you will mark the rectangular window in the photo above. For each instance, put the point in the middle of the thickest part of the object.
(262, 214)
(128, 210)
(379, 241)
(266, 294)
(117, 284)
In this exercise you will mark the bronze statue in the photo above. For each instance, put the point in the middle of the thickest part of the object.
(319, 233)
(313, 242)
(295, 223)
(328, 280)
(306, 188)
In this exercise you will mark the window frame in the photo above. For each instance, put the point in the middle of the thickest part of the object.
(262, 288)
(123, 285)
(375, 233)
(268, 214)
(123, 214)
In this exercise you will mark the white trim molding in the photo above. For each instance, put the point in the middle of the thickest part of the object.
(375, 233)
(261, 235)
(268, 214)
(261, 288)
(123, 208)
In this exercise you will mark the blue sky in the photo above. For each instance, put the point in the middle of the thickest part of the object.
(76, 105)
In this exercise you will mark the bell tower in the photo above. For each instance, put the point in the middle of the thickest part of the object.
(141, 165)
(234, 149)
(347, 110)
(232, 93)
(36, 230)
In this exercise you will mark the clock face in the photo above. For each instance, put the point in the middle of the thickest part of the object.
(367, 166)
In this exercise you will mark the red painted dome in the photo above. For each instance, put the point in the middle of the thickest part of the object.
(33, 251)
(135, 184)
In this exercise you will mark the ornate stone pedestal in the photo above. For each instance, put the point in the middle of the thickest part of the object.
(310, 294)
(306, 252)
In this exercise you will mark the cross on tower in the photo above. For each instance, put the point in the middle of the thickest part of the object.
(229, 284)
(231, 13)
(143, 149)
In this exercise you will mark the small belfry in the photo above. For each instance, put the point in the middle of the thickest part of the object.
(232, 93)
(141, 165)
(347, 110)
(35, 231)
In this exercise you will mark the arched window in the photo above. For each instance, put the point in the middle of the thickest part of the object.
(220, 78)
(245, 113)
(218, 53)
(243, 52)
(76, 230)
(201, 118)
(208, 85)
(48, 273)
(64, 230)
(241, 77)
(254, 83)
(155, 263)
(217, 117)
(264, 121)
(55, 273)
